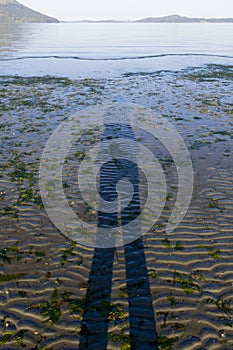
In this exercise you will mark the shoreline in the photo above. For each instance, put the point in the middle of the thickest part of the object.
(75, 68)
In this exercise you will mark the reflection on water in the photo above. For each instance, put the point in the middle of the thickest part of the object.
(117, 40)
(104, 41)
(8, 38)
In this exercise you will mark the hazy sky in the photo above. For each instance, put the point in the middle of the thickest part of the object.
(130, 9)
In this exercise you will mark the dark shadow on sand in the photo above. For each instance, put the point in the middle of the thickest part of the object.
(94, 330)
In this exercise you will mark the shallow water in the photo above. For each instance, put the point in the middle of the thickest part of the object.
(87, 50)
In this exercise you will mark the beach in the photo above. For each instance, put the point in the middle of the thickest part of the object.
(44, 277)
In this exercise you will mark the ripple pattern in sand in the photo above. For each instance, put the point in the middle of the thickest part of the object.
(44, 278)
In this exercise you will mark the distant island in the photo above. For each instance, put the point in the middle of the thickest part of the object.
(165, 19)
(11, 11)
(183, 19)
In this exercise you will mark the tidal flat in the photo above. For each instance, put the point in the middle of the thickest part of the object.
(44, 277)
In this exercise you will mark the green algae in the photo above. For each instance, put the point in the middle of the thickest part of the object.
(51, 309)
(11, 277)
(11, 336)
(209, 72)
(187, 283)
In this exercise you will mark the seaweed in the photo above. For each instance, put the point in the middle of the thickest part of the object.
(11, 277)
(166, 343)
(51, 308)
(187, 283)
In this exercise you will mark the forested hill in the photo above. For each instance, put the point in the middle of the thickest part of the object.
(11, 11)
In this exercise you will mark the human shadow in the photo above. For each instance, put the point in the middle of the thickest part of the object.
(142, 327)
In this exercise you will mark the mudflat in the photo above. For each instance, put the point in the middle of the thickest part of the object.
(44, 277)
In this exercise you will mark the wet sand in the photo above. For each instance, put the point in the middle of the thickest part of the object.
(44, 278)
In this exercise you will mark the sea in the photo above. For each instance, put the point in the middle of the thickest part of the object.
(82, 50)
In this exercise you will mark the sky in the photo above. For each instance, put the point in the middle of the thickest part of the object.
(130, 9)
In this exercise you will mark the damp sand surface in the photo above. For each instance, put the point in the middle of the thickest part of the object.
(44, 277)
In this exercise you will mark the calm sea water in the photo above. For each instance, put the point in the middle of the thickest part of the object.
(83, 49)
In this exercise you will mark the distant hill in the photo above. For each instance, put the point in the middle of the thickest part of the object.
(183, 19)
(165, 19)
(11, 11)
